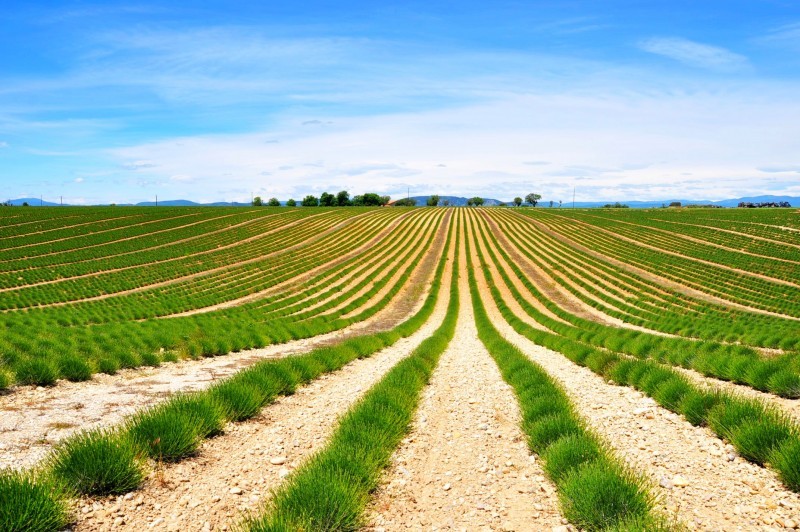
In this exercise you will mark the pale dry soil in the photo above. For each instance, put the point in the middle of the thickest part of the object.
(465, 464)
(33, 419)
(235, 473)
(697, 477)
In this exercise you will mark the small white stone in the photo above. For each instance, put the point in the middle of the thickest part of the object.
(278, 460)
(236, 490)
(680, 481)
(446, 487)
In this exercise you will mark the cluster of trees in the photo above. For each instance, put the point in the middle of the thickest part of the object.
(342, 199)
(531, 199)
(616, 205)
(272, 202)
(370, 199)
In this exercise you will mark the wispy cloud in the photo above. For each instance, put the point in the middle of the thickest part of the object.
(795, 168)
(696, 54)
(3, 144)
(787, 35)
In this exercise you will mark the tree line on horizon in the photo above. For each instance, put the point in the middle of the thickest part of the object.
(370, 199)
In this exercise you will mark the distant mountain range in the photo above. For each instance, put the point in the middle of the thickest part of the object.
(458, 201)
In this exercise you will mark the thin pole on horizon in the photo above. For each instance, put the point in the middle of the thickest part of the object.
(573, 197)
(156, 200)
(62, 200)
(41, 202)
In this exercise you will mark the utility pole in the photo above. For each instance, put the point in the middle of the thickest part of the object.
(62, 200)
(41, 202)
(156, 200)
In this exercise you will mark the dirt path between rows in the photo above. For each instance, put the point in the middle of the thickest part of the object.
(689, 239)
(300, 279)
(173, 259)
(146, 235)
(235, 472)
(732, 232)
(62, 227)
(722, 491)
(544, 283)
(465, 465)
(655, 278)
(675, 253)
(33, 419)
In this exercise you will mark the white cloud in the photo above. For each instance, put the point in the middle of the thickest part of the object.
(613, 146)
(696, 54)
(3, 144)
(78, 180)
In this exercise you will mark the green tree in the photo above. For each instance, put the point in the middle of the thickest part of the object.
(446, 203)
(327, 200)
(533, 199)
(517, 201)
(257, 201)
(25, 204)
(343, 198)
(470, 202)
(385, 200)
(273, 202)
(405, 202)
(310, 201)
(476, 201)
(291, 203)
(433, 201)
(551, 203)
(370, 199)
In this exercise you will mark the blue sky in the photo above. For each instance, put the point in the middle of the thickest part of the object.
(623, 100)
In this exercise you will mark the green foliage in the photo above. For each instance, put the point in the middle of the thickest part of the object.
(257, 202)
(167, 433)
(331, 490)
(405, 202)
(291, 203)
(532, 199)
(328, 200)
(36, 371)
(31, 503)
(432, 200)
(599, 495)
(343, 198)
(274, 202)
(310, 201)
(98, 463)
(238, 400)
(74, 368)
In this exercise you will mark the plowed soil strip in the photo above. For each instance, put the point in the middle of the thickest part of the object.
(655, 278)
(235, 471)
(33, 419)
(699, 479)
(465, 464)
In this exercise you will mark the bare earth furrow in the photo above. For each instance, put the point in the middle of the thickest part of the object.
(722, 491)
(465, 464)
(234, 472)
